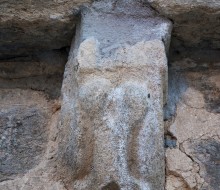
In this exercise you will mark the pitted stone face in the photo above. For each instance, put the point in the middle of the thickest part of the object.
(207, 152)
(23, 135)
(117, 132)
(127, 104)
(93, 94)
(114, 100)
(24, 118)
(117, 124)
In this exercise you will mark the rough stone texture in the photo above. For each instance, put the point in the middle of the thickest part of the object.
(41, 72)
(181, 166)
(111, 128)
(27, 26)
(194, 162)
(112, 121)
(29, 113)
(175, 183)
(23, 131)
(40, 177)
(196, 22)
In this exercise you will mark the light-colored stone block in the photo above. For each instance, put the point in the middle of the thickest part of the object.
(114, 91)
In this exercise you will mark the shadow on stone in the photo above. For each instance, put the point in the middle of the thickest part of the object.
(111, 186)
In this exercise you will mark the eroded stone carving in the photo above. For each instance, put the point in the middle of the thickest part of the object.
(112, 123)
(115, 118)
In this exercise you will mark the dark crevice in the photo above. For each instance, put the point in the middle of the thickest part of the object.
(111, 186)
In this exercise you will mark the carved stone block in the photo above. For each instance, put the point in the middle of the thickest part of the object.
(114, 92)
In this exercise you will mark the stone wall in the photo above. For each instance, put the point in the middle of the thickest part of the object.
(93, 96)
(192, 122)
(30, 104)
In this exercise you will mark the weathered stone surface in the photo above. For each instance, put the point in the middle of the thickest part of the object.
(113, 94)
(175, 183)
(23, 131)
(206, 152)
(29, 113)
(41, 72)
(130, 18)
(195, 126)
(172, 7)
(40, 177)
(180, 165)
(23, 136)
(27, 26)
(111, 130)
(196, 22)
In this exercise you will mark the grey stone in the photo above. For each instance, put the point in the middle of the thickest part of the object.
(207, 153)
(42, 72)
(23, 135)
(24, 118)
(111, 132)
(195, 21)
(28, 26)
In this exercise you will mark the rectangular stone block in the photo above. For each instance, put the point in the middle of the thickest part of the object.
(114, 91)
